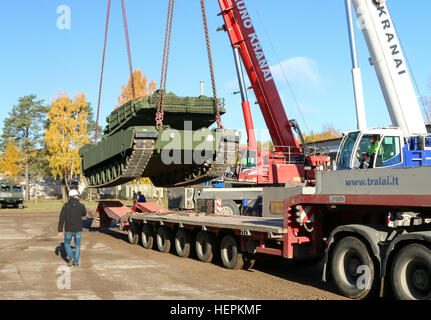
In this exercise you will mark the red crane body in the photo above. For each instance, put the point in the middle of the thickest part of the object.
(243, 36)
(283, 165)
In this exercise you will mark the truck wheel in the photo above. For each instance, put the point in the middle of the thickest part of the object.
(133, 234)
(229, 208)
(411, 273)
(21, 206)
(163, 239)
(147, 236)
(352, 268)
(205, 245)
(230, 255)
(183, 243)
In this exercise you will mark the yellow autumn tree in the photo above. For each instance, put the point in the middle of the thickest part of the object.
(67, 132)
(328, 132)
(142, 88)
(10, 161)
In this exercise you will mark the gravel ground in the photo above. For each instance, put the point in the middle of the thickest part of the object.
(32, 267)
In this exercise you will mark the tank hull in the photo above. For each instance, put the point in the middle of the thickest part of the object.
(169, 157)
(184, 152)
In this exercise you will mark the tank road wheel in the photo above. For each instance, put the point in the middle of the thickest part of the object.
(230, 255)
(163, 239)
(147, 236)
(195, 172)
(133, 233)
(103, 175)
(117, 169)
(352, 269)
(411, 273)
(205, 246)
(97, 177)
(183, 243)
(108, 173)
(123, 164)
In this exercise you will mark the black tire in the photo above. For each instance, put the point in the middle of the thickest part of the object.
(411, 273)
(133, 233)
(230, 254)
(205, 246)
(183, 243)
(229, 208)
(147, 236)
(164, 239)
(348, 256)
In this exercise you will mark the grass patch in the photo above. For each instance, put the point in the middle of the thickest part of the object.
(52, 205)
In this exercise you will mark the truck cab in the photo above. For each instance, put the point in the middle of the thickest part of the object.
(383, 148)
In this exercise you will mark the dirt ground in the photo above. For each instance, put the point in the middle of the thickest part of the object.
(31, 267)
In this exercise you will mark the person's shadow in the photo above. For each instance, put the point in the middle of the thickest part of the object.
(61, 250)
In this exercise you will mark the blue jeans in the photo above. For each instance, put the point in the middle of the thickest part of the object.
(68, 240)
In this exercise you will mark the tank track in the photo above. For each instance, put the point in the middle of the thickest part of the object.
(196, 174)
(124, 169)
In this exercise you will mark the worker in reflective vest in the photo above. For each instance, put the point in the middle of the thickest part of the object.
(373, 149)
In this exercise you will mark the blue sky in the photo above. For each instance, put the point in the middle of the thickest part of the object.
(309, 38)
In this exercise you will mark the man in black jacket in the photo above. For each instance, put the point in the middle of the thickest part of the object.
(71, 219)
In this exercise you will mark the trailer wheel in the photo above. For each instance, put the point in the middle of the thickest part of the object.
(352, 268)
(205, 245)
(183, 243)
(230, 255)
(229, 208)
(133, 234)
(411, 273)
(147, 236)
(163, 239)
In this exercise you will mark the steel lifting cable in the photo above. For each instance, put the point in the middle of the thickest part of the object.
(129, 55)
(165, 63)
(101, 74)
(210, 61)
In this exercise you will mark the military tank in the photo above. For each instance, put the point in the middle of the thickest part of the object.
(185, 152)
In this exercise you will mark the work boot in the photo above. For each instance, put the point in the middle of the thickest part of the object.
(70, 263)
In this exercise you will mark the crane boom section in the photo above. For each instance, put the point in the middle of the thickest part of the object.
(243, 36)
(390, 66)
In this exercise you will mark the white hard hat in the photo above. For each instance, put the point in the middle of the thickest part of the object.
(73, 193)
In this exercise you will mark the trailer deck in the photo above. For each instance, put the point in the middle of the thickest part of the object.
(257, 224)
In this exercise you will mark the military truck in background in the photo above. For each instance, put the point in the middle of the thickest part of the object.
(11, 195)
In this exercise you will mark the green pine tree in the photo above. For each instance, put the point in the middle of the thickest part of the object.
(25, 124)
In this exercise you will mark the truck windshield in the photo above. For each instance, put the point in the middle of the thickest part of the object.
(345, 152)
(17, 188)
(5, 188)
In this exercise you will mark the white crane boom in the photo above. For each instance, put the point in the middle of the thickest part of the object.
(390, 66)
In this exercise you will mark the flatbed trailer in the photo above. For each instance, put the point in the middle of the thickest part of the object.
(343, 219)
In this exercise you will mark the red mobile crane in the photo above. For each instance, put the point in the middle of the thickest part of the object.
(289, 163)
